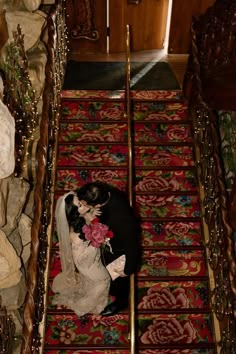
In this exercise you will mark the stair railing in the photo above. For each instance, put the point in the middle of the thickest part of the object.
(34, 307)
(215, 206)
(7, 330)
(218, 236)
(127, 114)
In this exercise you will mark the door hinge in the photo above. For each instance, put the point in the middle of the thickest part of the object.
(108, 31)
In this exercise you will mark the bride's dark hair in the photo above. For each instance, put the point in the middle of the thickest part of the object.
(74, 219)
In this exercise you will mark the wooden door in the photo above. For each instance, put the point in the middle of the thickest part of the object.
(181, 20)
(147, 20)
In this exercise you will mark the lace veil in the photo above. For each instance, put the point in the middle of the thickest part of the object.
(68, 277)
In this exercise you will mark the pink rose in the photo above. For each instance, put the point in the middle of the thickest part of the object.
(169, 330)
(152, 184)
(178, 133)
(178, 228)
(164, 298)
(95, 233)
(154, 201)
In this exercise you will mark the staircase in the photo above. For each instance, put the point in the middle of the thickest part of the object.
(172, 286)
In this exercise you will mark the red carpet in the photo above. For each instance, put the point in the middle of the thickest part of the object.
(172, 286)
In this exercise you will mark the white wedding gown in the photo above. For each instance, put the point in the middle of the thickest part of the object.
(90, 292)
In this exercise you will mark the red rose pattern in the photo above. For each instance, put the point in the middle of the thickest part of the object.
(169, 330)
(164, 298)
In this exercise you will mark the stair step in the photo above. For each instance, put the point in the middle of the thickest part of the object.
(163, 156)
(114, 155)
(160, 111)
(124, 351)
(158, 263)
(106, 95)
(172, 295)
(164, 234)
(165, 180)
(87, 111)
(175, 329)
(92, 351)
(167, 206)
(157, 329)
(70, 179)
(162, 133)
(172, 263)
(94, 95)
(87, 330)
(191, 296)
(145, 181)
(117, 132)
(91, 132)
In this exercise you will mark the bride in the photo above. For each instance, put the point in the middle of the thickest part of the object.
(83, 285)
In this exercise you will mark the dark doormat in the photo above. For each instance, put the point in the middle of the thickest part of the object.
(111, 76)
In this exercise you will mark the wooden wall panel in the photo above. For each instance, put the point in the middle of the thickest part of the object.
(181, 19)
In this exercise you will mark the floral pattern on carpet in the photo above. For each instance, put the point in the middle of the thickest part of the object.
(161, 133)
(143, 111)
(163, 329)
(144, 351)
(119, 94)
(93, 132)
(165, 180)
(89, 329)
(166, 234)
(88, 111)
(172, 295)
(72, 179)
(113, 155)
(172, 285)
(163, 156)
(168, 206)
(160, 111)
(153, 329)
(146, 181)
(172, 263)
(144, 133)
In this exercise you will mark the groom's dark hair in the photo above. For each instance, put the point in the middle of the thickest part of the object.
(94, 193)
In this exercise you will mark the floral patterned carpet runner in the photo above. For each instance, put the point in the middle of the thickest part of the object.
(172, 286)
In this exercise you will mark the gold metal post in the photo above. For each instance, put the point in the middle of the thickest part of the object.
(130, 182)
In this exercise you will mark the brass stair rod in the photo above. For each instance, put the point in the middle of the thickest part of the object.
(130, 182)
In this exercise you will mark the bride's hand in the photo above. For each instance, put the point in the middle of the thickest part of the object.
(96, 211)
(92, 214)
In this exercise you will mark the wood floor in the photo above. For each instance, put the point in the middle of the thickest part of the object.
(177, 62)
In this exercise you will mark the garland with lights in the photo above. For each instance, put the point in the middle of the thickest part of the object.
(19, 97)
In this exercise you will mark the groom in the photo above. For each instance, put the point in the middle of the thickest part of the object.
(119, 216)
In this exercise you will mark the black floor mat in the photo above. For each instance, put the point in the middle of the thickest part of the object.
(112, 76)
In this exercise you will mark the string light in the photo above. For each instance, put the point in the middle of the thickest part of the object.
(20, 99)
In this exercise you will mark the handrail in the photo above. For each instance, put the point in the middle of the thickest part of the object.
(130, 182)
(54, 71)
(219, 238)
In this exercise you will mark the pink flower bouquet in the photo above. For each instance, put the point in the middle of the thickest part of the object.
(97, 233)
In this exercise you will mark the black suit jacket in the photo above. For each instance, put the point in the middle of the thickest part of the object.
(120, 217)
